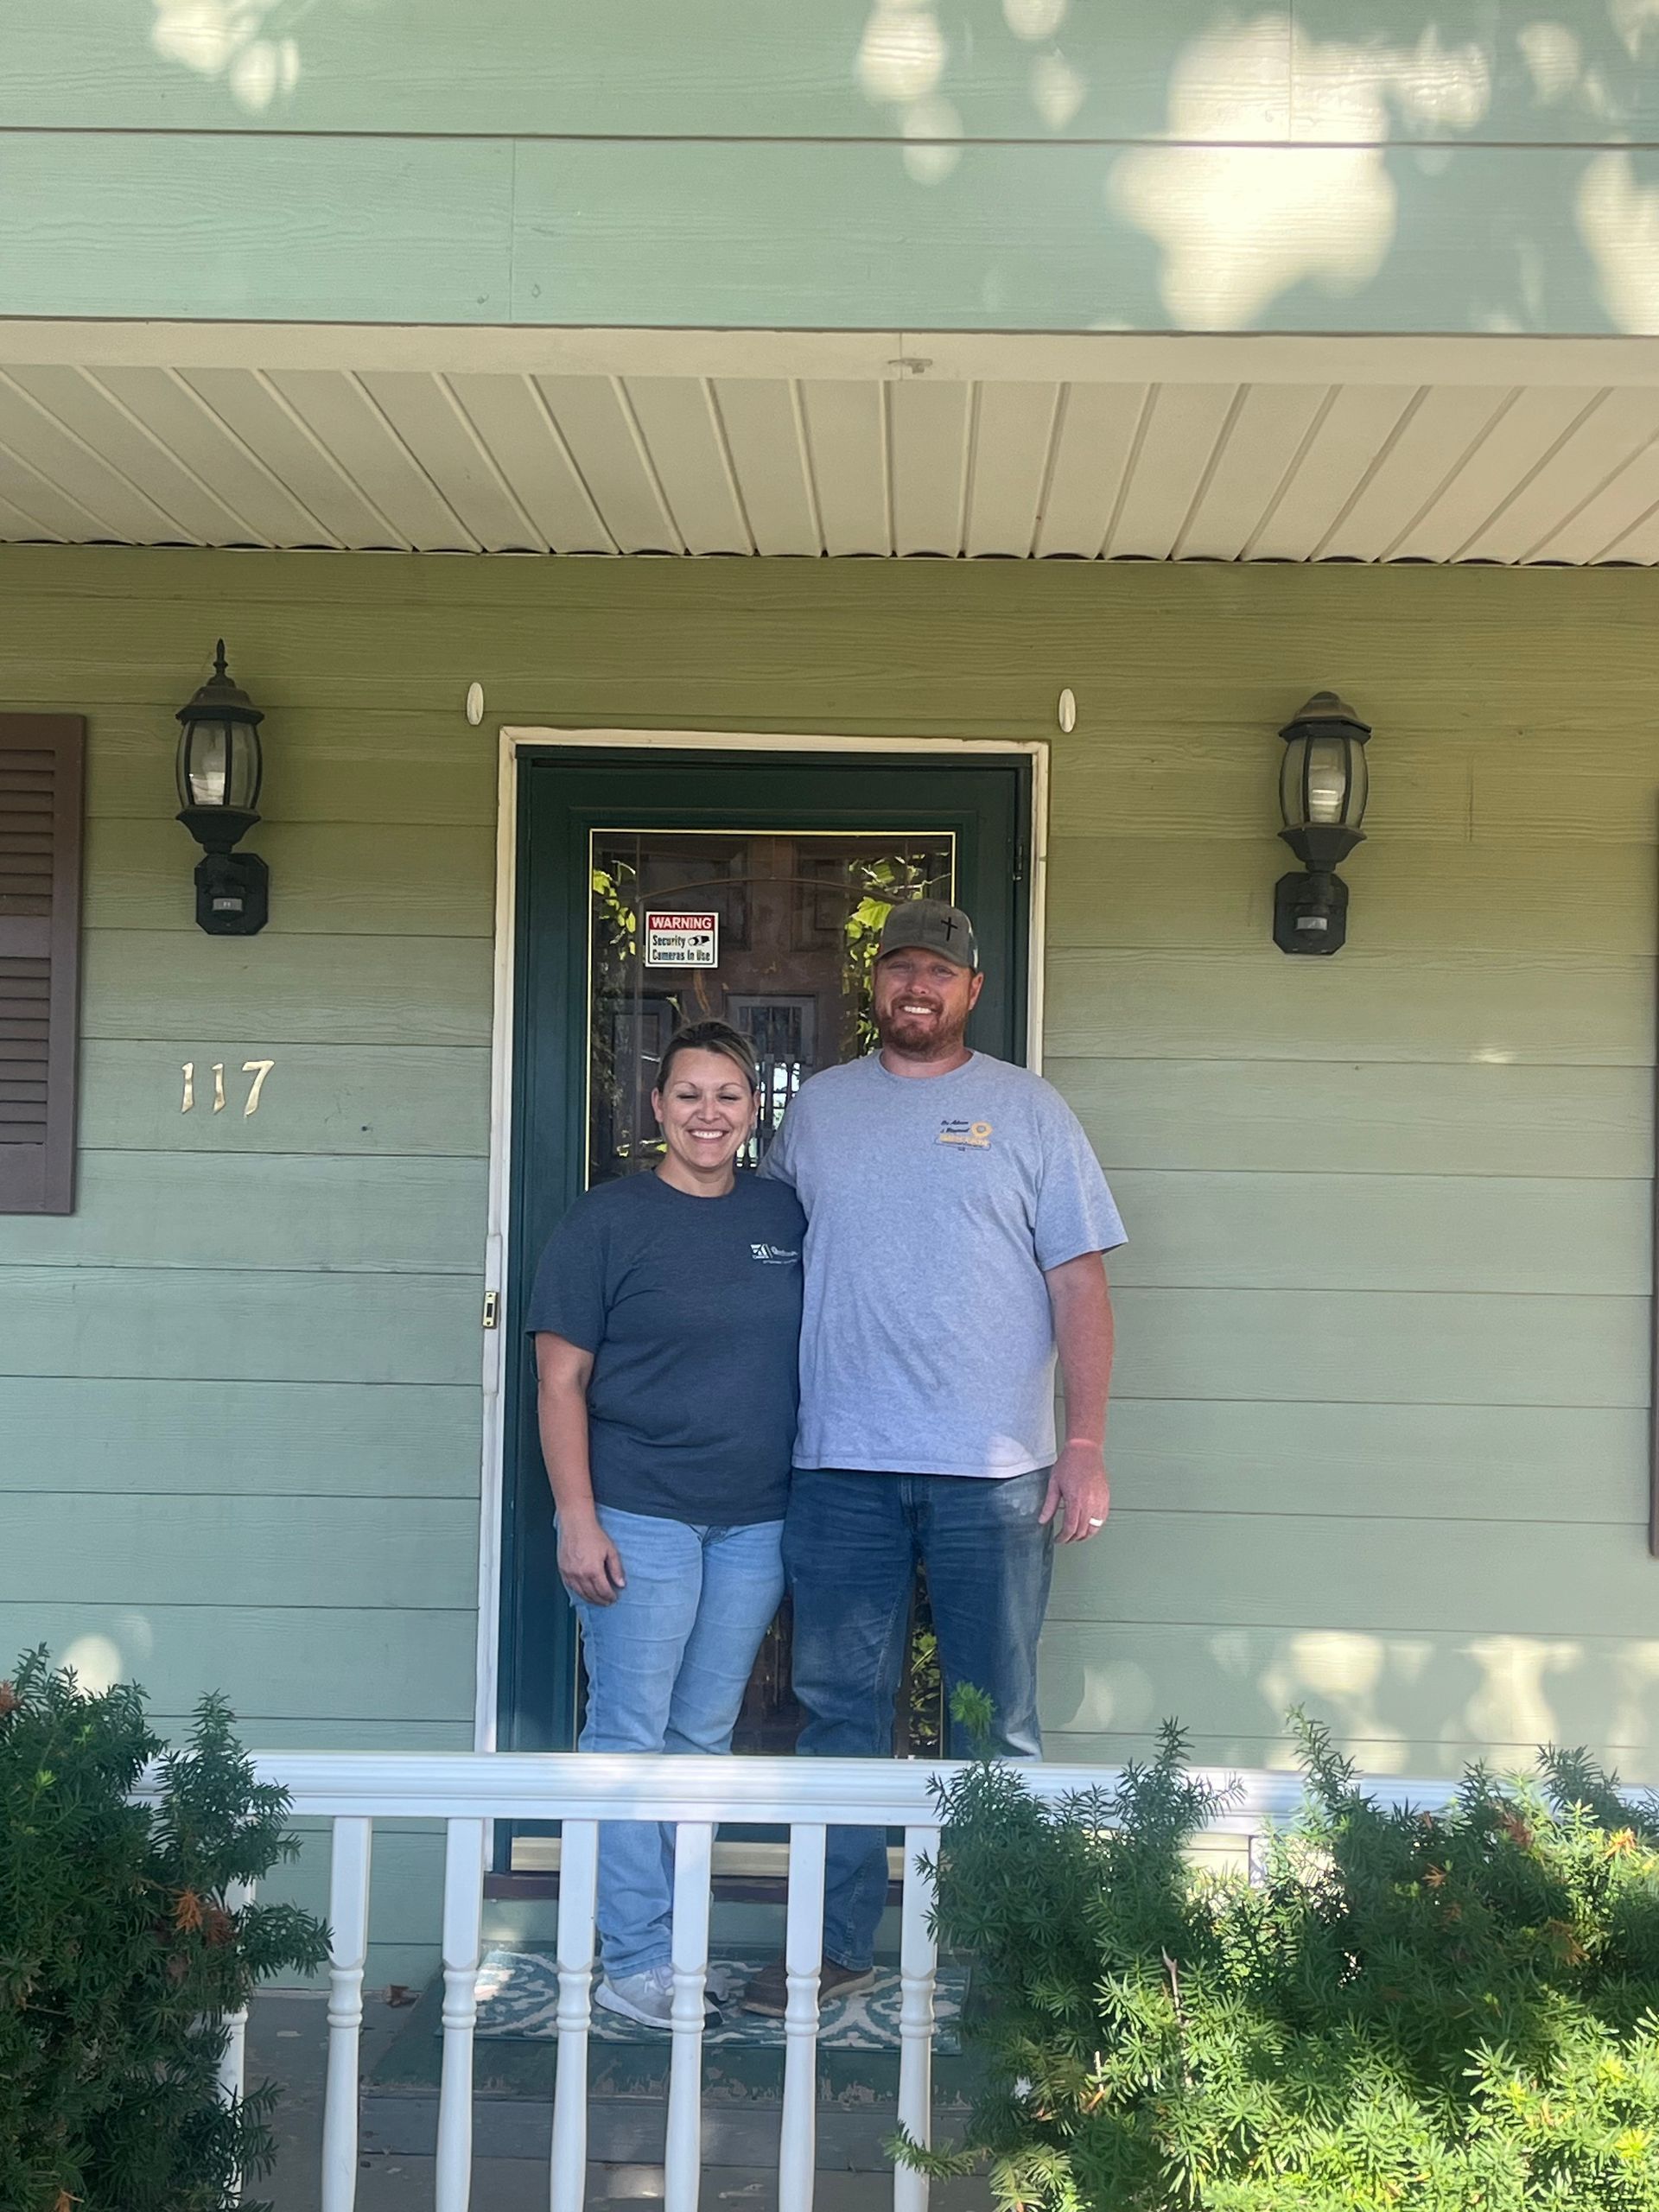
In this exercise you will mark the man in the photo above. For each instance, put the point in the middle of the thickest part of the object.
(956, 1224)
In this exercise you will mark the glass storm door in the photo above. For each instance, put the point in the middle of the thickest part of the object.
(656, 892)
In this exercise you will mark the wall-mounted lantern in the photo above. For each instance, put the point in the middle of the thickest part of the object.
(1322, 790)
(220, 770)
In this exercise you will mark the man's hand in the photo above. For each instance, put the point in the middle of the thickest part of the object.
(1079, 1496)
(590, 1565)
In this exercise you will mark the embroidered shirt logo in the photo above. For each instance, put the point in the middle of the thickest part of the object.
(977, 1134)
(774, 1255)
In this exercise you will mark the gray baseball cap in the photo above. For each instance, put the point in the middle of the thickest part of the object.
(931, 925)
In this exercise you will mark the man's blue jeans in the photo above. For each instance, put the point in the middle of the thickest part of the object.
(667, 1667)
(851, 1543)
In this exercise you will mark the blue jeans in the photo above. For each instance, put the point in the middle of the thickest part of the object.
(851, 1543)
(667, 1667)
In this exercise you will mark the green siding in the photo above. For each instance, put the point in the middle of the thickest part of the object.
(392, 990)
(1365, 1117)
(1460, 1694)
(413, 879)
(1371, 1575)
(981, 164)
(342, 229)
(581, 65)
(1417, 1233)
(1557, 1010)
(299, 1663)
(1381, 1443)
(794, 69)
(148, 1550)
(340, 1099)
(221, 1324)
(1497, 909)
(1364, 1348)
(709, 234)
(178, 1438)
(1415, 1462)
(349, 1215)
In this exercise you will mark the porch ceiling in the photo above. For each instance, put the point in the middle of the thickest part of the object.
(1512, 451)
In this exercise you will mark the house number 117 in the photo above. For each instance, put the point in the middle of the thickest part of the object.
(258, 1068)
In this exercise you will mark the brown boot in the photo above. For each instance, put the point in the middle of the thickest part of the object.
(768, 1993)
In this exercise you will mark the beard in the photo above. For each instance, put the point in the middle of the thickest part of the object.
(919, 1041)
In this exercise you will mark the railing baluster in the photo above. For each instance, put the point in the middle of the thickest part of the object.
(463, 1912)
(348, 1920)
(234, 2064)
(803, 1962)
(918, 1957)
(578, 1871)
(682, 2157)
(469, 1789)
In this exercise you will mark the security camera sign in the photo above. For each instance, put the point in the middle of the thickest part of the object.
(674, 939)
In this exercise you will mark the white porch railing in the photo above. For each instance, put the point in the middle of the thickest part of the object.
(469, 1791)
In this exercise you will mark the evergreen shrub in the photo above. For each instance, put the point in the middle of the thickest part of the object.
(120, 1955)
(1404, 2012)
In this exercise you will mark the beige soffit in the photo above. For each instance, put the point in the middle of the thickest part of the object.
(455, 441)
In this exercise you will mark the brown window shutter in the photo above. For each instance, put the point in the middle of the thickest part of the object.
(41, 762)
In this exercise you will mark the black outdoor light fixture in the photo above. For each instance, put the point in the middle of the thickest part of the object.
(1322, 787)
(220, 769)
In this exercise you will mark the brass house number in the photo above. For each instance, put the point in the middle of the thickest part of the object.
(258, 1068)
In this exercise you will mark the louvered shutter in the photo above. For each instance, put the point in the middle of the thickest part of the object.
(40, 771)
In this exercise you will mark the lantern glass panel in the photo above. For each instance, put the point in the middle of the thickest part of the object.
(219, 764)
(1323, 783)
(1359, 784)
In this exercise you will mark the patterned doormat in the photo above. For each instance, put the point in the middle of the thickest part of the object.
(519, 1996)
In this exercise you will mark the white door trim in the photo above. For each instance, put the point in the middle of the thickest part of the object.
(514, 742)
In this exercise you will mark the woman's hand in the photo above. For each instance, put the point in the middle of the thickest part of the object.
(590, 1565)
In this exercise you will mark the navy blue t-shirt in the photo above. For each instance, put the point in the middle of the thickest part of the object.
(692, 1308)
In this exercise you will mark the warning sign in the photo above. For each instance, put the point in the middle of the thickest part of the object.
(677, 940)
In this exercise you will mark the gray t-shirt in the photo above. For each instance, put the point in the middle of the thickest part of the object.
(933, 1205)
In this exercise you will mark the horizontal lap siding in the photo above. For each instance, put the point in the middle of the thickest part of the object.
(992, 69)
(713, 234)
(1380, 1440)
(1382, 1435)
(239, 1385)
(984, 165)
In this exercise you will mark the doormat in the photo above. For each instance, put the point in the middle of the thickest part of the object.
(519, 1996)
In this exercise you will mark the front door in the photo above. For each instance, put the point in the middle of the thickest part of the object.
(658, 890)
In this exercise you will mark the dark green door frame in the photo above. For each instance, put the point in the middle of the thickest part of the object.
(563, 793)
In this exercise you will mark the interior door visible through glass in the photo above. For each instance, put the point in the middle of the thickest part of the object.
(775, 931)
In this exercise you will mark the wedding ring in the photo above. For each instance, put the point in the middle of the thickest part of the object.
(1100, 1523)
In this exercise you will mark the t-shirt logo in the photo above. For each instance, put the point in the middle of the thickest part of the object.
(774, 1255)
(977, 1134)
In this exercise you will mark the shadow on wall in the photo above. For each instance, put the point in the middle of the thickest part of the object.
(1460, 166)
(249, 45)
(1399, 1704)
(1396, 130)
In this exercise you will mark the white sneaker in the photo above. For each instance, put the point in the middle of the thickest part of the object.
(648, 1997)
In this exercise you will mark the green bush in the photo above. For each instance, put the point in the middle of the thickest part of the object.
(1408, 2013)
(120, 1957)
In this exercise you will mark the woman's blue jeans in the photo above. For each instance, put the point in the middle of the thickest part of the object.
(667, 1667)
(851, 1544)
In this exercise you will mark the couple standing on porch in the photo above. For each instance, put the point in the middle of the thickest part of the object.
(718, 1418)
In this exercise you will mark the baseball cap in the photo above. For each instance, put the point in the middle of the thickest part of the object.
(933, 927)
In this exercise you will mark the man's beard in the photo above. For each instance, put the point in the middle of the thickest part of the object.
(921, 1041)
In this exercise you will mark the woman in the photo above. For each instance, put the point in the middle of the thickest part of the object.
(667, 1314)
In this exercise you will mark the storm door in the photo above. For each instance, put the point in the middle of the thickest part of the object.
(660, 892)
